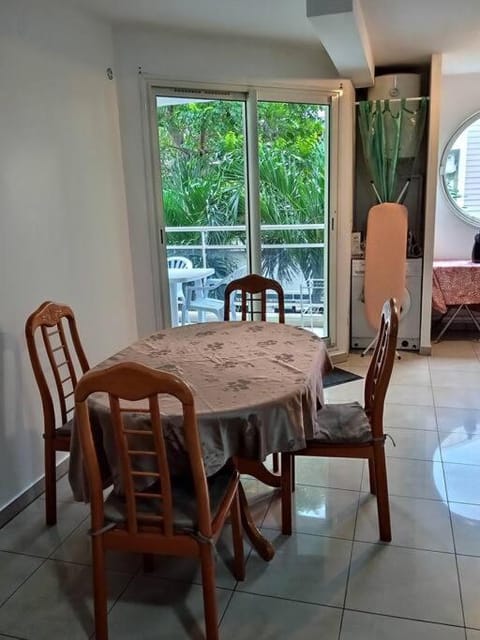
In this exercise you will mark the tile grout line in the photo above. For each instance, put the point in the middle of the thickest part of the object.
(351, 556)
(452, 531)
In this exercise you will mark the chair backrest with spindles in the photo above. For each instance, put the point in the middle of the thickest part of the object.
(381, 365)
(66, 357)
(147, 491)
(253, 289)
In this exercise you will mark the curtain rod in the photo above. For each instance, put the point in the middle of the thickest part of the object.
(394, 99)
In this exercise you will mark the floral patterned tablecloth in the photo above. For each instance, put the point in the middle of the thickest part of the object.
(257, 388)
(455, 282)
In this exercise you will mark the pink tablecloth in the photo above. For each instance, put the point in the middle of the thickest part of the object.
(455, 282)
(257, 388)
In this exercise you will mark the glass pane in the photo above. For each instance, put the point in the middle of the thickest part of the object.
(293, 165)
(461, 170)
(202, 160)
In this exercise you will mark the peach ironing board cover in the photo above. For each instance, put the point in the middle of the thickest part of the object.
(385, 258)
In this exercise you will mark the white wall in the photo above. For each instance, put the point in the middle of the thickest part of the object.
(460, 98)
(63, 227)
(181, 56)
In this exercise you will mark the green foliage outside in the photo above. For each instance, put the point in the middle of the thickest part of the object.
(202, 160)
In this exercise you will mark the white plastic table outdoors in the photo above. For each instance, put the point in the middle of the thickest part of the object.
(179, 276)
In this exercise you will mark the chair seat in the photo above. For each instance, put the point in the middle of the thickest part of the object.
(183, 497)
(65, 430)
(342, 423)
(207, 304)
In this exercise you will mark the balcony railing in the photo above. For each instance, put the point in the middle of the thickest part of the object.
(303, 295)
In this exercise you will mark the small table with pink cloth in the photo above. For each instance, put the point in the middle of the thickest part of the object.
(456, 286)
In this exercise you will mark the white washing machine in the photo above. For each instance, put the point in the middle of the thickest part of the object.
(409, 327)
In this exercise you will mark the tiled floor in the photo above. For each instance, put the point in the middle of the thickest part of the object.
(332, 579)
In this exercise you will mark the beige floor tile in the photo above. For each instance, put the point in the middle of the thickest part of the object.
(410, 394)
(416, 444)
(457, 397)
(413, 479)
(251, 616)
(367, 626)
(466, 528)
(469, 571)
(410, 374)
(15, 569)
(416, 523)
(459, 420)
(27, 532)
(453, 348)
(463, 483)
(455, 363)
(404, 582)
(460, 447)
(316, 566)
(348, 392)
(318, 511)
(455, 378)
(155, 609)
(336, 473)
(406, 416)
(56, 603)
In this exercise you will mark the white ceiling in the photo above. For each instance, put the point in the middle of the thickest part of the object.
(400, 31)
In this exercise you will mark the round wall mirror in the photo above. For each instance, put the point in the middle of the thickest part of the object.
(460, 170)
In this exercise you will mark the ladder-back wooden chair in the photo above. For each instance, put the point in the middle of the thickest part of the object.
(353, 431)
(157, 513)
(67, 361)
(253, 289)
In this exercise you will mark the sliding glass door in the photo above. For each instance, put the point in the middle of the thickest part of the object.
(244, 187)
(293, 179)
(201, 144)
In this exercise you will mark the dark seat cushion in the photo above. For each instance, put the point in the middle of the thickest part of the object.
(183, 497)
(65, 430)
(342, 423)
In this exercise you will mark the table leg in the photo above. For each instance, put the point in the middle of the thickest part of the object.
(262, 546)
(173, 303)
(259, 471)
(450, 320)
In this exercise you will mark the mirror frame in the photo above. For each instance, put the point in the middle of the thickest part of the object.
(465, 217)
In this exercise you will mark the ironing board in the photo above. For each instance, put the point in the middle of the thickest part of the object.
(385, 258)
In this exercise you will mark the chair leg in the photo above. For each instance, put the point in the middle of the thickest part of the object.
(371, 473)
(209, 594)
(99, 589)
(293, 473)
(50, 484)
(382, 494)
(286, 493)
(275, 462)
(148, 562)
(238, 555)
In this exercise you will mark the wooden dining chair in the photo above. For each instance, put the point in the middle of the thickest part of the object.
(67, 361)
(253, 289)
(353, 431)
(157, 513)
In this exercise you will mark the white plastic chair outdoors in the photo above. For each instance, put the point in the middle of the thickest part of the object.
(312, 308)
(197, 296)
(179, 262)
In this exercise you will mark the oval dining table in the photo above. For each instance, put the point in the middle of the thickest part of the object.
(257, 388)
